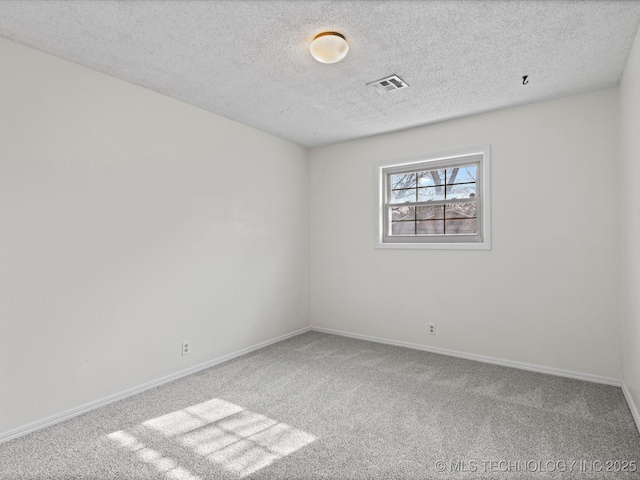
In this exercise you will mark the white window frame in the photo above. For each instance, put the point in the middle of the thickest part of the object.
(481, 156)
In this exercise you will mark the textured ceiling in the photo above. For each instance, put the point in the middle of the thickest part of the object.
(249, 60)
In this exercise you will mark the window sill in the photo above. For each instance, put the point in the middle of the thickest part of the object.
(433, 246)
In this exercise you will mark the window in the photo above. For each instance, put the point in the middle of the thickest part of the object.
(439, 201)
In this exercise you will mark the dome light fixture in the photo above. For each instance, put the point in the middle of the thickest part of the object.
(329, 47)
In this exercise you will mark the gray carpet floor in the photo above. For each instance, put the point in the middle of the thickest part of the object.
(320, 406)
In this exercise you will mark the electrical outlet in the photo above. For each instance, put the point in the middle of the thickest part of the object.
(185, 348)
(432, 329)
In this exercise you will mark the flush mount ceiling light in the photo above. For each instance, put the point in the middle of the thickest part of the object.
(329, 47)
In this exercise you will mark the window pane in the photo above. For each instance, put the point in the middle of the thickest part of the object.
(403, 228)
(461, 226)
(431, 178)
(403, 196)
(466, 190)
(461, 210)
(434, 202)
(461, 174)
(402, 213)
(430, 227)
(430, 193)
(430, 212)
(405, 180)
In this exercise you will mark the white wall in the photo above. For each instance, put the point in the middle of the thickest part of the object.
(129, 222)
(547, 292)
(630, 224)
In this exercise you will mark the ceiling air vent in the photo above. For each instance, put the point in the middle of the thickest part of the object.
(389, 84)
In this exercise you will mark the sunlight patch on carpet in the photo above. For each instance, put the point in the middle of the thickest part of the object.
(162, 464)
(240, 441)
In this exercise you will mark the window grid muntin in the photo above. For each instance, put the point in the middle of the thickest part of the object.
(444, 219)
(419, 171)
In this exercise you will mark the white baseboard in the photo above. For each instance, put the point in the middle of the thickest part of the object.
(479, 358)
(74, 412)
(61, 417)
(632, 405)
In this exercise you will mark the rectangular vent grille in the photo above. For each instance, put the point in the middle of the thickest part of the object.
(389, 84)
